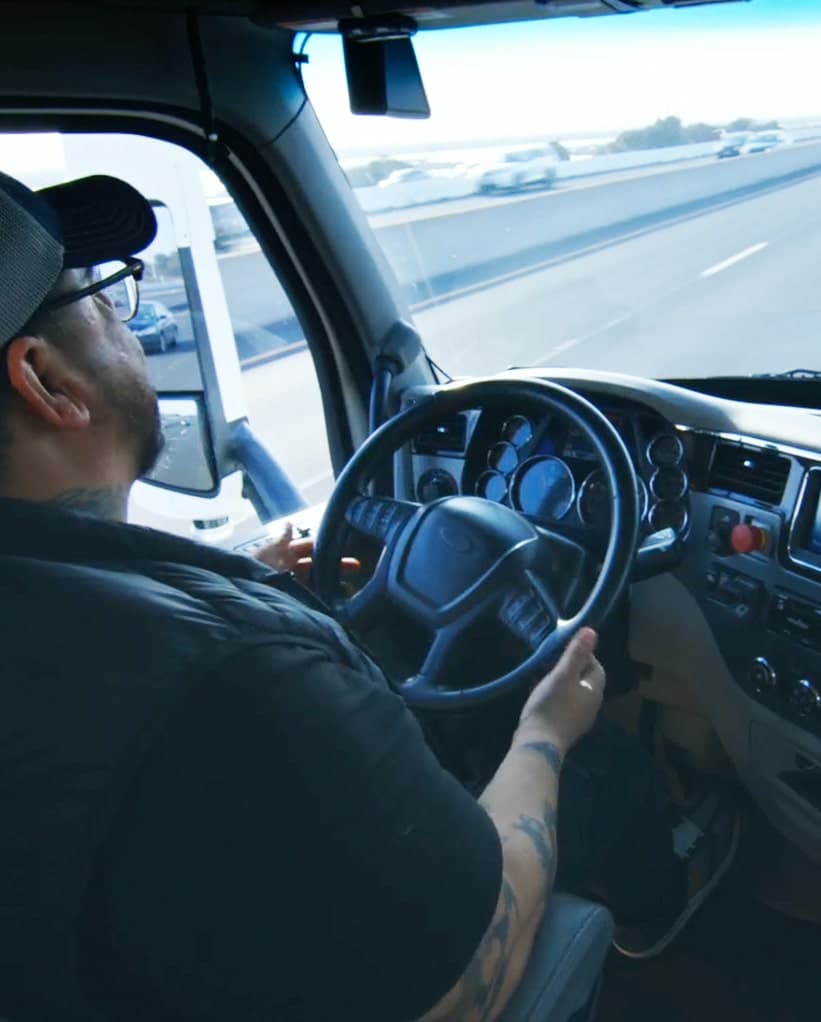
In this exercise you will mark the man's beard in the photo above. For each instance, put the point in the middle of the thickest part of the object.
(138, 410)
(152, 441)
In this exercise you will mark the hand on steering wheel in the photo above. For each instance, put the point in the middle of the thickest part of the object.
(296, 555)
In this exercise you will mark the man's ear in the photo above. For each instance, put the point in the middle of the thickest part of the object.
(40, 377)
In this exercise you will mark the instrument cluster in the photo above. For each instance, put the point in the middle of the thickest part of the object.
(549, 471)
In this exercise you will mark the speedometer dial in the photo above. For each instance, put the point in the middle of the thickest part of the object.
(543, 487)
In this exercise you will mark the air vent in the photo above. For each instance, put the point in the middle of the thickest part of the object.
(749, 472)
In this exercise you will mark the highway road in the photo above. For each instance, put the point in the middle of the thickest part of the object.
(735, 288)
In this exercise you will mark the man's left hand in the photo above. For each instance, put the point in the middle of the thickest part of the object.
(288, 554)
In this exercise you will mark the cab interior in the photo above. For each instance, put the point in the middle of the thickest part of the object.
(712, 644)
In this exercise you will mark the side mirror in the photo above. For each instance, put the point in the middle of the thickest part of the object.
(187, 463)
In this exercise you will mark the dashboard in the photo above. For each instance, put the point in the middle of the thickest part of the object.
(736, 625)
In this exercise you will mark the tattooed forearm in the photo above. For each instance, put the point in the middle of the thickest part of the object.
(547, 750)
(475, 996)
(104, 503)
(542, 835)
(521, 802)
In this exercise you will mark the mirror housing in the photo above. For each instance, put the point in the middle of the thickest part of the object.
(381, 68)
(187, 463)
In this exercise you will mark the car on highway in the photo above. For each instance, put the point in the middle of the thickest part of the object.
(746, 144)
(763, 141)
(732, 145)
(528, 167)
(155, 327)
(520, 409)
(403, 175)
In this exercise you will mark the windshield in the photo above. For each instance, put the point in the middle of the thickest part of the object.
(579, 201)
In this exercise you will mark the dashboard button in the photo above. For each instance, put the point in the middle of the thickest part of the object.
(722, 520)
(748, 539)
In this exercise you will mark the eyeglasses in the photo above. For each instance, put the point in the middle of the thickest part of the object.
(115, 281)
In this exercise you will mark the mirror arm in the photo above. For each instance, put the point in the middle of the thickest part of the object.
(265, 482)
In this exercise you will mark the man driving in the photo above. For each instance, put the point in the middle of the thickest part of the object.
(214, 804)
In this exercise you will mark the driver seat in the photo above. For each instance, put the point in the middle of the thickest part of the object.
(563, 976)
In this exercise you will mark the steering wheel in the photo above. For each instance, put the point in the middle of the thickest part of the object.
(461, 562)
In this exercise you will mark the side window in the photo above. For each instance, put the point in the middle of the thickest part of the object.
(205, 277)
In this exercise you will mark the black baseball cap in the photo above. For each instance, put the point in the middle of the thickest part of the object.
(81, 223)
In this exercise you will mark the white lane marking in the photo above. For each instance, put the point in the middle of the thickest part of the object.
(726, 263)
(573, 341)
(563, 347)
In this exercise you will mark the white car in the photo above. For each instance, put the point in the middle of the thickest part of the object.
(763, 141)
(521, 168)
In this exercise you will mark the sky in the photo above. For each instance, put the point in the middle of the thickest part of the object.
(567, 77)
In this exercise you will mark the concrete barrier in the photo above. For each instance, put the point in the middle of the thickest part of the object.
(442, 188)
(432, 256)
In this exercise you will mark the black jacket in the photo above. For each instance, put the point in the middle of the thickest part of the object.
(105, 629)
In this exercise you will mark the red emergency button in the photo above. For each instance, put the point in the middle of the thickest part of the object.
(746, 539)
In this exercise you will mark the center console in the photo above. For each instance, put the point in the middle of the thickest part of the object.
(755, 566)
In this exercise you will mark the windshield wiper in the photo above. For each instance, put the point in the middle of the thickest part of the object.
(790, 374)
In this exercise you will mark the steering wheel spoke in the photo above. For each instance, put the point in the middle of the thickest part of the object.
(429, 683)
(364, 608)
(381, 518)
(566, 568)
(530, 612)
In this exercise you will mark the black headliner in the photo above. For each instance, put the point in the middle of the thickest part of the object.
(319, 16)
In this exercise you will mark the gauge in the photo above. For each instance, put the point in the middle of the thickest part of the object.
(578, 445)
(503, 457)
(668, 515)
(434, 484)
(544, 487)
(665, 449)
(518, 431)
(668, 483)
(492, 486)
(593, 503)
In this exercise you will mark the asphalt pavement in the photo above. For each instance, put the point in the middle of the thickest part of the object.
(736, 290)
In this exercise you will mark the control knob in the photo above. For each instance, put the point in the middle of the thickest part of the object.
(805, 698)
(762, 675)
